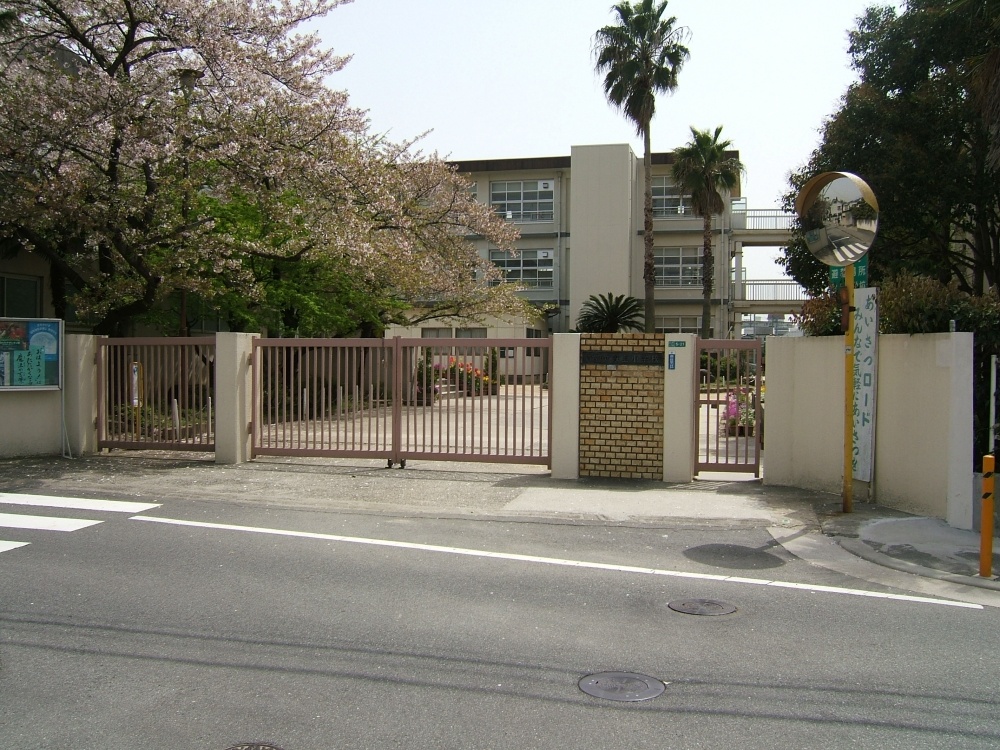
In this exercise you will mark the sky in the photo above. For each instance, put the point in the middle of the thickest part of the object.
(515, 78)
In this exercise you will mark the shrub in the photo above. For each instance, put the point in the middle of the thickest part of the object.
(820, 316)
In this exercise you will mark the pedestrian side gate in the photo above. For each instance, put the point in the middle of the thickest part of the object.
(395, 399)
(730, 415)
(156, 393)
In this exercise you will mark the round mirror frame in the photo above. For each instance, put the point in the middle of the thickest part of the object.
(850, 244)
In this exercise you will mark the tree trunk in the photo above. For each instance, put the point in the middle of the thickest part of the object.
(707, 278)
(648, 267)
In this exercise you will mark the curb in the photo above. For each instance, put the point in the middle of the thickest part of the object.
(862, 550)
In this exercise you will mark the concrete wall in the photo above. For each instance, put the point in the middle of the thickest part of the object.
(566, 406)
(923, 421)
(38, 415)
(804, 412)
(233, 396)
(924, 446)
(679, 390)
(30, 423)
(80, 373)
(602, 222)
(680, 407)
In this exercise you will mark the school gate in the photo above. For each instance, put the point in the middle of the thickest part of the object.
(483, 400)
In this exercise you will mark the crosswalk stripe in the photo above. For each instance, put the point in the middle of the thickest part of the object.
(4, 546)
(75, 503)
(43, 523)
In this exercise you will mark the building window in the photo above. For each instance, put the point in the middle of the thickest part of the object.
(20, 297)
(532, 269)
(435, 333)
(678, 323)
(523, 200)
(677, 266)
(534, 333)
(668, 201)
(470, 333)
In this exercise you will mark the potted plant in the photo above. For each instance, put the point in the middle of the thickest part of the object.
(740, 415)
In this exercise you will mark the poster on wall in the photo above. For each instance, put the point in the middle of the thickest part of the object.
(30, 354)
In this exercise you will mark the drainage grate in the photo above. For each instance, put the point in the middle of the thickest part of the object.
(702, 607)
(621, 686)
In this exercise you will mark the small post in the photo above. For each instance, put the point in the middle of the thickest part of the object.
(986, 521)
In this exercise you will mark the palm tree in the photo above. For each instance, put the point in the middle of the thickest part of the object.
(640, 57)
(606, 313)
(703, 169)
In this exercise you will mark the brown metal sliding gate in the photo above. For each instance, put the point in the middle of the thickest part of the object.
(730, 410)
(439, 399)
(156, 393)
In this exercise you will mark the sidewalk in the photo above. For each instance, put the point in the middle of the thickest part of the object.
(808, 524)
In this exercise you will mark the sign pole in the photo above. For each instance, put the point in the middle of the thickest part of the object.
(848, 501)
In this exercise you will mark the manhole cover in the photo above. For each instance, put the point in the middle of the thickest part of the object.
(702, 607)
(254, 746)
(621, 686)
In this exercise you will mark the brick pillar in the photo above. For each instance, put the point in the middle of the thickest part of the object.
(621, 405)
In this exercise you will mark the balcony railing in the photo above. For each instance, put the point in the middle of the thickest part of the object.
(775, 290)
(762, 219)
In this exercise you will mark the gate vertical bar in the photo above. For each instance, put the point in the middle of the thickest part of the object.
(397, 399)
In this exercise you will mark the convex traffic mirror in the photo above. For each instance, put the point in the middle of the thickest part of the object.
(839, 215)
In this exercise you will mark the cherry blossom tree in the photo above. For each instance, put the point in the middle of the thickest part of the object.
(132, 132)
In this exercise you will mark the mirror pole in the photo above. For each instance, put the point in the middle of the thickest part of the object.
(848, 500)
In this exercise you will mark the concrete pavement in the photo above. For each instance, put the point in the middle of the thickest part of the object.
(873, 543)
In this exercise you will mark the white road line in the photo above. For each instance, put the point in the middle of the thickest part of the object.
(44, 523)
(4, 546)
(75, 503)
(556, 561)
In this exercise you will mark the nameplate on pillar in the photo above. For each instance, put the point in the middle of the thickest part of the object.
(648, 359)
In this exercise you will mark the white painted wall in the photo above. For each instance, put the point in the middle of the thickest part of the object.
(80, 374)
(602, 222)
(566, 406)
(30, 423)
(38, 415)
(680, 408)
(924, 446)
(804, 412)
(233, 396)
(923, 421)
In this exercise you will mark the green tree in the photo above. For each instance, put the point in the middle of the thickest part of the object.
(912, 128)
(705, 168)
(606, 313)
(640, 56)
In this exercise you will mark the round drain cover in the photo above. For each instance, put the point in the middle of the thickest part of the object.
(253, 746)
(702, 607)
(621, 686)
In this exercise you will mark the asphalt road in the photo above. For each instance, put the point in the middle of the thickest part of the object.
(205, 624)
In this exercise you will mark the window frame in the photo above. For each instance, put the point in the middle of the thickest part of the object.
(513, 204)
(509, 262)
(5, 312)
(667, 199)
(681, 326)
(688, 273)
